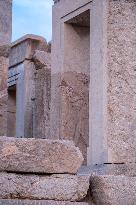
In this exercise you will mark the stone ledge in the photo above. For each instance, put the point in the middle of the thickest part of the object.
(127, 169)
(39, 155)
(38, 202)
(59, 187)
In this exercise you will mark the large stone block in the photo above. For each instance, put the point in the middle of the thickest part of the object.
(61, 187)
(113, 190)
(38, 202)
(39, 155)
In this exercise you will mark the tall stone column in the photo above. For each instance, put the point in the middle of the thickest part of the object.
(5, 38)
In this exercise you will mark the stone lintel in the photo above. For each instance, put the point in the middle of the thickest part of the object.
(24, 48)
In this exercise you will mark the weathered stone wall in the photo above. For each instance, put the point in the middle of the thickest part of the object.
(5, 37)
(122, 81)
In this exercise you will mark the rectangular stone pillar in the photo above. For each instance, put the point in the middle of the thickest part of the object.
(78, 71)
(5, 38)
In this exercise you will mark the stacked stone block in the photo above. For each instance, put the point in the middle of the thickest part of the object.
(39, 169)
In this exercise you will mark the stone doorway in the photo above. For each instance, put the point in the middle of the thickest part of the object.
(75, 80)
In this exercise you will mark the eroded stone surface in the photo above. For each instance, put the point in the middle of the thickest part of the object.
(39, 155)
(55, 187)
(38, 202)
(75, 109)
(113, 190)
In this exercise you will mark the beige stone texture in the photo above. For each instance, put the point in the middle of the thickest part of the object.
(113, 190)
(122, 81)
(39, 156)
(59, 187)
(75, 114)
(39, 202)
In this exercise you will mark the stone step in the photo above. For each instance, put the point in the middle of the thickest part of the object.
(39, 155)
(59, 187)
(113, 190)
(38, 202)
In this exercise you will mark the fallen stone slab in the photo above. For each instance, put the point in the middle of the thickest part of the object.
(39, 155)
(39, 202)
(113, 190)
(59, 187)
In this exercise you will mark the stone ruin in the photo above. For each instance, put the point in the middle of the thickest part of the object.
(81, 89)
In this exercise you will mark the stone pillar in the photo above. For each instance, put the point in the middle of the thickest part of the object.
(5, 38)
(24, 75)
(122, 81)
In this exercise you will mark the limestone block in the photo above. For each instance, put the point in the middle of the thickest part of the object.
(61, 187)
(38, 202)
(113, 190)
(39, 155)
